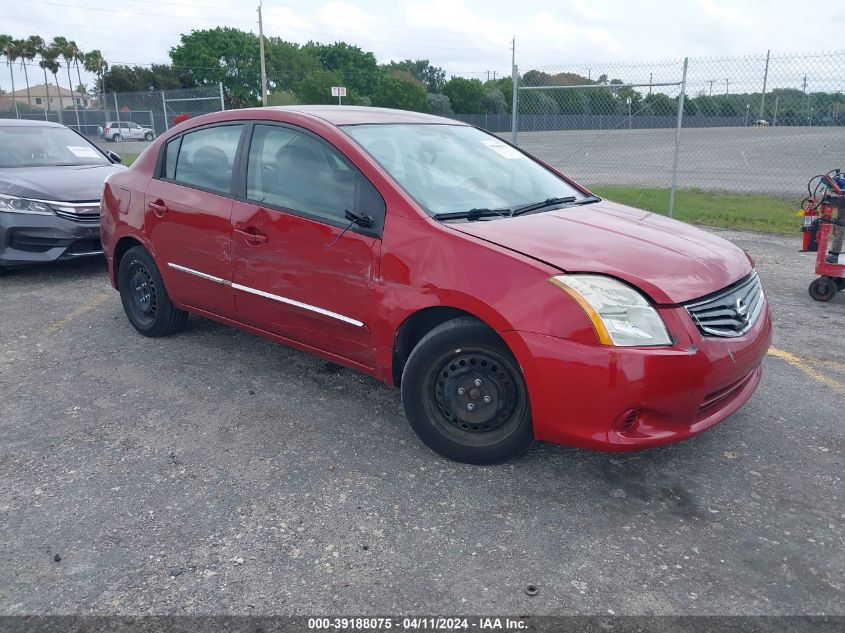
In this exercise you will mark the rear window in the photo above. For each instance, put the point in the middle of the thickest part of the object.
(205, 158)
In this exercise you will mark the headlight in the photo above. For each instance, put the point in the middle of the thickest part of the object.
(13, 204)
(620, 314)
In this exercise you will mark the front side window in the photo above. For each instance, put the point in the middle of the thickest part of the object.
(296, 171)
(455, 168)
(206, 158)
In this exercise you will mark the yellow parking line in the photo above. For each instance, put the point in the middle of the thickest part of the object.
(806, 366)
(96, 300)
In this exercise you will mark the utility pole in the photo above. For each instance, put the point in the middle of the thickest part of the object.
(775, 119)
(727, 86)
(261, 52)
(650, 77)
(765, 80)
(711, 87)
(515, 96)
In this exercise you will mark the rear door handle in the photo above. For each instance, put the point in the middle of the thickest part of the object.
(252, 235)
(157, 207)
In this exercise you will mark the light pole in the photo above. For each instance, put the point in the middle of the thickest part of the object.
(747, 112)
(628, 100)
(775, 118)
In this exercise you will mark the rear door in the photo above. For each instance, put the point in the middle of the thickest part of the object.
(300, 270)
(188, 216)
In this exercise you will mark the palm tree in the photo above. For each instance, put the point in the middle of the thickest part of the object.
(48, 62)
(77, 57)
(28, 50)
(94, 63)
(8, 49)
(4, 41)
(51, 54)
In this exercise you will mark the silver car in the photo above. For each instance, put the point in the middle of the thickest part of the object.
(118, 131)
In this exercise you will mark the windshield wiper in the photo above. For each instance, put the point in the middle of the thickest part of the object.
(473, 214)
(548, 202)
(587, 200)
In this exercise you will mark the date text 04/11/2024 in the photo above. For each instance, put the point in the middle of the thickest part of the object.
(430, 623)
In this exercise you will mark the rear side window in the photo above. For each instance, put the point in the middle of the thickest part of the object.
(170, 158)
(206, 157)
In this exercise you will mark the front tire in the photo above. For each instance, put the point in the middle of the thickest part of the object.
(464, 395)
(823, 289)
(145, 300)
(148, 136)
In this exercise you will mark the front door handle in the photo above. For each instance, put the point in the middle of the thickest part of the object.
(252, 235)
(157, 207)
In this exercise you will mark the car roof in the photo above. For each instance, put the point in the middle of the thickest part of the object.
(358, 115)
(28, 123)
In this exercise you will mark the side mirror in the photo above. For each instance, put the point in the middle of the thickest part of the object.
(114, 157)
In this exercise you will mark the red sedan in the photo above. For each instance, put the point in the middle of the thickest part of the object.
(505, 300)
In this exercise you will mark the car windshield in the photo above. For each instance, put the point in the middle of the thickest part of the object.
(457, 168)
(43, 146)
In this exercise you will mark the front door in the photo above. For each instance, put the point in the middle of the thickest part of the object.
(188, 213)
(296, 272)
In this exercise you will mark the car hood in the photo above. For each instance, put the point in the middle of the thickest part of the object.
(78, 183)
(671, 261)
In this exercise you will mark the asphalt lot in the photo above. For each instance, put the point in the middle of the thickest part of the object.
(215, 472)
(761, 160)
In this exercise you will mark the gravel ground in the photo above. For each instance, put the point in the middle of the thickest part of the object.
(215, 472)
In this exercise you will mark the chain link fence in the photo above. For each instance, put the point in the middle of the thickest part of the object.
(131, 115)
(759, 124)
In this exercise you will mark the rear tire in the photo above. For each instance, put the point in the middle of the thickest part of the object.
(117, 138)
(145, 300)
(823, 289)
(464, 394)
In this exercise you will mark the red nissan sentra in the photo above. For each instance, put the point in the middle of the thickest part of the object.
(507, 301)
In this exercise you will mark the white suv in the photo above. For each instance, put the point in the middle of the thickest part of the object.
(125, 131)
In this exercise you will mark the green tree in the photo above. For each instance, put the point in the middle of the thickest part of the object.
(601, 101)
(94, 62)
(660, 104)
(394, 92)
(506, 86)
(438, 104)
(67, 50)
(465, 95)
(432, 76)
(222, 54)
(316, 87)
(287, 64)
(28, 49)
(282, 98)
(141, 79)
(359, 69)
(49, 55)
(494, 102)
(9, 50)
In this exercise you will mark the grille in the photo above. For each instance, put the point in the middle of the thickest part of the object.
(83, 213)
(729, 312)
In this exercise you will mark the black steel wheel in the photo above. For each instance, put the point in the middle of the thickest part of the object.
(117, 138)
(464, 395)
(823, 289)
(148, 136)
(145, 300)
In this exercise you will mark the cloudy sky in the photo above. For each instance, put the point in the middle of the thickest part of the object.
(467, 37)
